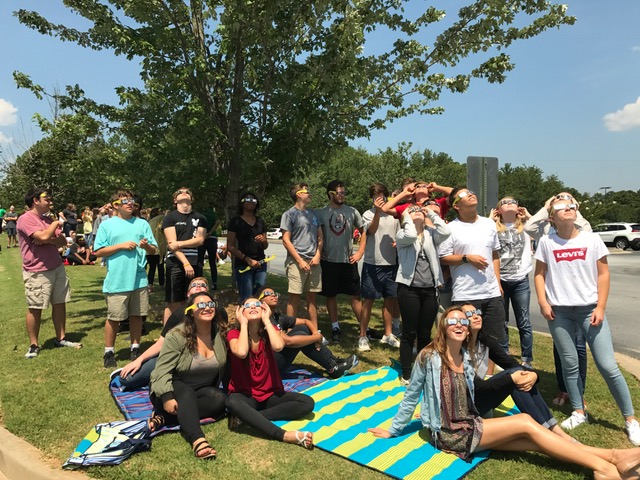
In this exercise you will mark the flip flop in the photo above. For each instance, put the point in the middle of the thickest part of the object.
(306, 440)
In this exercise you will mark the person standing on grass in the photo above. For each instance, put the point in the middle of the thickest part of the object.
(302, 238)
(379, 268)
(185, 231)
(10, 219)
(572, 284)
(124, 240)
(339, 263)
(45, 280)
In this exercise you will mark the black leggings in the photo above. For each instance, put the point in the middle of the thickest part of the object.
(193, 405)
(153, 261)
(279, 406)
(322, 357)
(418, 309)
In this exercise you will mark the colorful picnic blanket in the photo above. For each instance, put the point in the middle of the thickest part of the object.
(347, 407)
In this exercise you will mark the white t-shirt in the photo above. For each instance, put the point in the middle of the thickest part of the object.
(515, 254)
(379, 249)
(572, 271)
(478, 238)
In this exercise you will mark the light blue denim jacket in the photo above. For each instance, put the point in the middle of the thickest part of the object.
(425, 380)
(409, 245)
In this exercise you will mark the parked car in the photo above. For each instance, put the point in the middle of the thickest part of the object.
(620, 235)
(275, 233)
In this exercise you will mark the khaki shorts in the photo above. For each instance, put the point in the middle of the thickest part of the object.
(122, 305)
(301, 282)
(49, 287)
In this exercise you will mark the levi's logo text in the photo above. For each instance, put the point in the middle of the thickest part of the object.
(570, 254)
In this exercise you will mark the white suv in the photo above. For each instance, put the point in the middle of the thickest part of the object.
(620, 235)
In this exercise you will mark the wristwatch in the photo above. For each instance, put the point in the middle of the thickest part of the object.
(465, 259)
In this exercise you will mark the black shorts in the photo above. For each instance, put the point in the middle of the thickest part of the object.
(176, 282)
(379, 281)
(339, 278)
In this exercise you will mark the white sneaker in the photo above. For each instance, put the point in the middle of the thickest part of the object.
(633, 432)
(363, 344)
(403, 381)
(391, 340)
(574, 420)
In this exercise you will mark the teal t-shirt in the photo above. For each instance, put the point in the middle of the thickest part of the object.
(125, 268)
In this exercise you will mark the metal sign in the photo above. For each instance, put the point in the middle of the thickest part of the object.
(482, 178)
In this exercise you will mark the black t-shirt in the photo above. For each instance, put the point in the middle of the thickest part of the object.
(72, 218)
(283, 322)
(245, 235)
(177, 317)
(186, 225)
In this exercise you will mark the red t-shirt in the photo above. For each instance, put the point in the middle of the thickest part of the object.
(258, 374)
(442, 201)
(36, 258)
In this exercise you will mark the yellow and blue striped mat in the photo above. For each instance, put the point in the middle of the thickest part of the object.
(346, 407)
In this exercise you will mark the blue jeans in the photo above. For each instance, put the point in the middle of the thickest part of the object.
(250, 282)
(141, 378)
(519, 294)
(599, 340)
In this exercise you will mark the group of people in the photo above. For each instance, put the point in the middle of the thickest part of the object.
(414, 260)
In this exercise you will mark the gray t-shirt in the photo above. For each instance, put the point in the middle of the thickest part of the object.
(379, 249)
(202, 372)
(338, 225)
(302, 225)
(423, 276)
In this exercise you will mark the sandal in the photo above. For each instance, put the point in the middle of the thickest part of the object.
(156, 422)
(202, 445)
(306, 441)
(560, 399)
(233, 422)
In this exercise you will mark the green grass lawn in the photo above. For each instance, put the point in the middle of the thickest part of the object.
(53, 400)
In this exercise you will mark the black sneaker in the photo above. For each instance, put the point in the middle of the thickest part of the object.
(33, 351)
(335, 335)
(344, 368)
(110, 360)
(373, 334)
(135, 353)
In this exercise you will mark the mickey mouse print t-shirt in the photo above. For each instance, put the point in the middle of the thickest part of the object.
(186, 225)
(572, 270)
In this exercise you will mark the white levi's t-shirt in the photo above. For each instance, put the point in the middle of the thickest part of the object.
(572, 271)
(477, 238)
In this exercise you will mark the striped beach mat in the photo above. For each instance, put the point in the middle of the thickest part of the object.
(347, 407)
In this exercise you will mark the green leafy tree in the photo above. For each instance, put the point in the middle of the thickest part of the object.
(250, 91)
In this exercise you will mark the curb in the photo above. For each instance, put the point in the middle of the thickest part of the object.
(20, 460)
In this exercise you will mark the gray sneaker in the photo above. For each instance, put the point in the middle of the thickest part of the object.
(33, 351)
(110, 360)
(66, 343)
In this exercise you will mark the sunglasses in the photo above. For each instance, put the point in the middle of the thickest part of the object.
(454, 321)
(268, 294)
(249, 200)
(414, 209)
(463, 194)
(564, 197)
(200, 306)
(183, 191)
(252, 304)
(125, 201)
(431, 202)
(338, 194)
(570, 206)
(509, 201)
(198, 284)
(471, 313)
(303, 191)
(421, 185)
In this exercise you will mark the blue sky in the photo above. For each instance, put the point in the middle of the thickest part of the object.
(571, 106)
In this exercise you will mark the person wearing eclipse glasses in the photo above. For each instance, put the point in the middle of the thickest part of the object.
(247, 241)
(572, 284)
(124, 240)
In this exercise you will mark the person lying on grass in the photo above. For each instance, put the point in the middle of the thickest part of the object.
(301, 335)
(443, 373)
(256, 393)
(190, 368)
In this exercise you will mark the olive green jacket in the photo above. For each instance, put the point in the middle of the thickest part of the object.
(175, 360)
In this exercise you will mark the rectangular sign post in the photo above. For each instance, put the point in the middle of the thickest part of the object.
(482, 178)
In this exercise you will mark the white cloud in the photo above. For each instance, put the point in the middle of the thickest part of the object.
(625, 119)
(635, 48)
(7, 113)
(4, 140)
